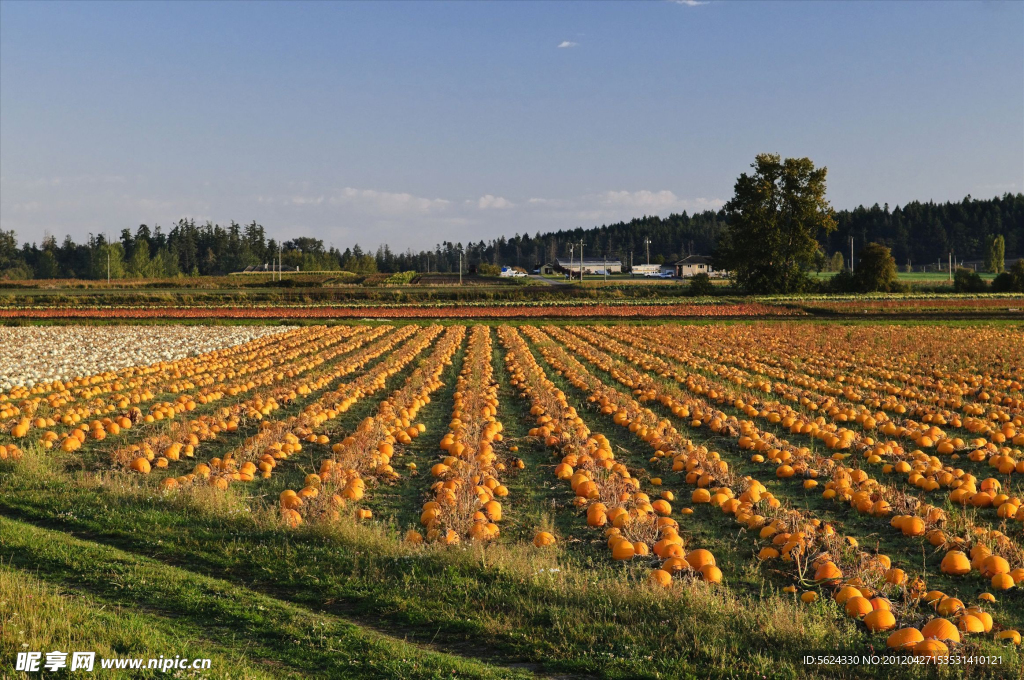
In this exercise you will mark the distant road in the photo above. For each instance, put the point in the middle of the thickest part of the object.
(550, 282)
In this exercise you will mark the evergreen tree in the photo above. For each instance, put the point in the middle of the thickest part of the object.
(838, 263)
(995, 262)
(47, 267)
(138, 263)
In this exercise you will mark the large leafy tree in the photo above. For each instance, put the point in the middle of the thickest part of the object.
(876, 271)
(775, 217)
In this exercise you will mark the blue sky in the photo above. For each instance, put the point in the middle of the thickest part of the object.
(412, 123)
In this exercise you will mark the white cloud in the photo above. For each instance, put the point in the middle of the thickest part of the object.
(612, 206)
(339, 215)
(74, 181)
(387, 202)
(567, 43)
(307, 200)
(496, 202)
(643, 199)
(151, 208)
(625, 202)
(690, 3)
(1009, 186)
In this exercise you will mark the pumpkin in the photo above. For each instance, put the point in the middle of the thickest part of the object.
(845, 593)
(994, 564)
(904, 638)
(970, 624)
(941, 629)
(984, 617)
(543, 539)
(857, 607)
(913, 527)
(828, 572)
(949, 606)
(955, 563)
(291, 517)
(880, 620)
(880, 603)
(931, 648)
(140, 465)
(896, 577)
(660, 577)
(1008, 636)
(698, 558)
(623, 550)
(711, 573)
(675, 565)
(1002, 582)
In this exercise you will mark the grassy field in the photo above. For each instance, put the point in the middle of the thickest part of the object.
(342, 287)
(926, 278)
(94, 557)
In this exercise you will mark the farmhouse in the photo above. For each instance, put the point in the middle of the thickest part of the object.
(695, 264)
(590, 265)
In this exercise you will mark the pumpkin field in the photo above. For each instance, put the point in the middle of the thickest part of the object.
(534, 498)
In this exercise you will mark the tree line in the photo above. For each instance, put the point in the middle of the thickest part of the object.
(916, 234)
(779, 217)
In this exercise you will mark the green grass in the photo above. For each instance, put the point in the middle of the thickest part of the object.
(935, 278)
(87, 596)
(209, 571)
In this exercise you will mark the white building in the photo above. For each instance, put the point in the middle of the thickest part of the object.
(696, 264)
(646, 269)
(590, 265)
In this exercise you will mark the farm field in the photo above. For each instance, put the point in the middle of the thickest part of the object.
(843, 307)
(519, 498)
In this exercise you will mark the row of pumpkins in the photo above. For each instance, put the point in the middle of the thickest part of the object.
(875, 612)
(370, 448)
(464, 501)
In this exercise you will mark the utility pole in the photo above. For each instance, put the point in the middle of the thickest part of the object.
(647, 242)
(606, 266)
(280, 261)
(951, 267)
(571, 247)
(108, 264)
(460, 266)
(851, 253)
(581, 260)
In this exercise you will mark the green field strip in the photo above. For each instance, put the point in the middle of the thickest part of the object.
(199, 609)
